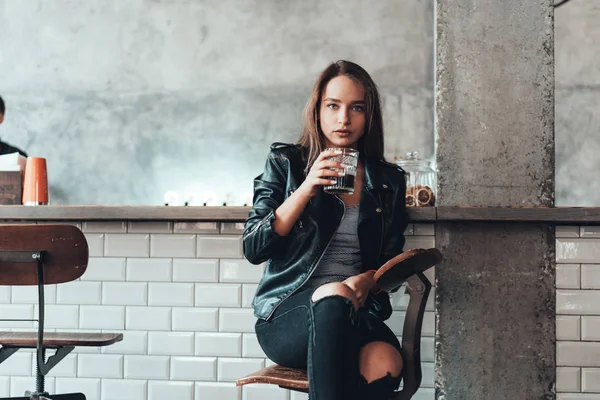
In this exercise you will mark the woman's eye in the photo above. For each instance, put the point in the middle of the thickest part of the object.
(358, 108)
(333, 106)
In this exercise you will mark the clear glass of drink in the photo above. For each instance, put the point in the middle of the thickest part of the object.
(344, 184)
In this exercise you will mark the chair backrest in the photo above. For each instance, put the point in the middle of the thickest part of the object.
(64, 253)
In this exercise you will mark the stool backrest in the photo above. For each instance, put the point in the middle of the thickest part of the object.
(64, 253)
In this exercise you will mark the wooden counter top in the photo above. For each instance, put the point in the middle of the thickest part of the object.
(559, 215)
(148, 213)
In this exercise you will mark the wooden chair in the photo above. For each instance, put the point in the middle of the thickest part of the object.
(41, 255)
(407, 267)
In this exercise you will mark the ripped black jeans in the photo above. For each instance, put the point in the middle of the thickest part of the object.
(325, 337)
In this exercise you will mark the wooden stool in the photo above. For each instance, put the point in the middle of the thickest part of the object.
(41, 255)
(407, 267)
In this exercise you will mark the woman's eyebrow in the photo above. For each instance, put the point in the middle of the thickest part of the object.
(339, 101)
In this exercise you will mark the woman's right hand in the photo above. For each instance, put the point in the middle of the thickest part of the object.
(321, 172)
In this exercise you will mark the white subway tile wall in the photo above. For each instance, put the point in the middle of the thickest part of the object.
(5, 294)
(578, 312)
(181, 295)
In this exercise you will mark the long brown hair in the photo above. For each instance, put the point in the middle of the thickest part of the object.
(312, 139)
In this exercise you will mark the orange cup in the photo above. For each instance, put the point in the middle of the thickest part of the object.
(35, 183)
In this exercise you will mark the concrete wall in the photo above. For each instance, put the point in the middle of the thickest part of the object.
(577, 56)
(129, 99)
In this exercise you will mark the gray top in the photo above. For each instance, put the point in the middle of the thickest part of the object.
(341, 259)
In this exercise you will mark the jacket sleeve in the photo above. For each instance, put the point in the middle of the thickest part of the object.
(259, 239)
(393, 242)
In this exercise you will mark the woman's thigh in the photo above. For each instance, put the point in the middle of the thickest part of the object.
(284, 337)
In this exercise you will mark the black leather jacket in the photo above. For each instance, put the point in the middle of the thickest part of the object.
(6, 148)
(291, 259)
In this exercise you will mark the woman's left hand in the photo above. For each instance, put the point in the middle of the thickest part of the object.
(361, 284)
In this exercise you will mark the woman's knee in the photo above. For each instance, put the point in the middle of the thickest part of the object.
(377, 359)
(333, 289)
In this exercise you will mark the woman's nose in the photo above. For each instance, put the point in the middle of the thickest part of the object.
(343, 117)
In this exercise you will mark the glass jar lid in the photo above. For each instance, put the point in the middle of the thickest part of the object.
(411, 161)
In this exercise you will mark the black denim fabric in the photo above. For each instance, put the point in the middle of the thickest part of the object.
(325, 338)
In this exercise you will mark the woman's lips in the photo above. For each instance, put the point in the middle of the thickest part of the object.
(343, 133)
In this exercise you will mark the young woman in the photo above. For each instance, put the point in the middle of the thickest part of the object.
(317, 304)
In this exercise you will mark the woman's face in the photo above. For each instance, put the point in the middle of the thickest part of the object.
(342, 112)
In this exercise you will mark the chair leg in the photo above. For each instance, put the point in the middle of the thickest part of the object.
(418, 288)
(37, 396)
(68, 396)
(40, 380)
(40, 393)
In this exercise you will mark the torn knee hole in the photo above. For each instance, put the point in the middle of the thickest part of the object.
(336, 289)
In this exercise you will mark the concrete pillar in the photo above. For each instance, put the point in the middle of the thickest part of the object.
(495, 147)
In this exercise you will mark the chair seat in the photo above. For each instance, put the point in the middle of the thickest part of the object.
(59, 339)
(277, 375)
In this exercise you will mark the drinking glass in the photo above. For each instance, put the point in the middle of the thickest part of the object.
(344, 184)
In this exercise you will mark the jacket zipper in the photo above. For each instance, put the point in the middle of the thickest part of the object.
(314, 265)
(382, 229)
(257, 226)
(300, 225)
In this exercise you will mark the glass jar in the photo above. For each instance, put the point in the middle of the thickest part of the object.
(420, 180)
